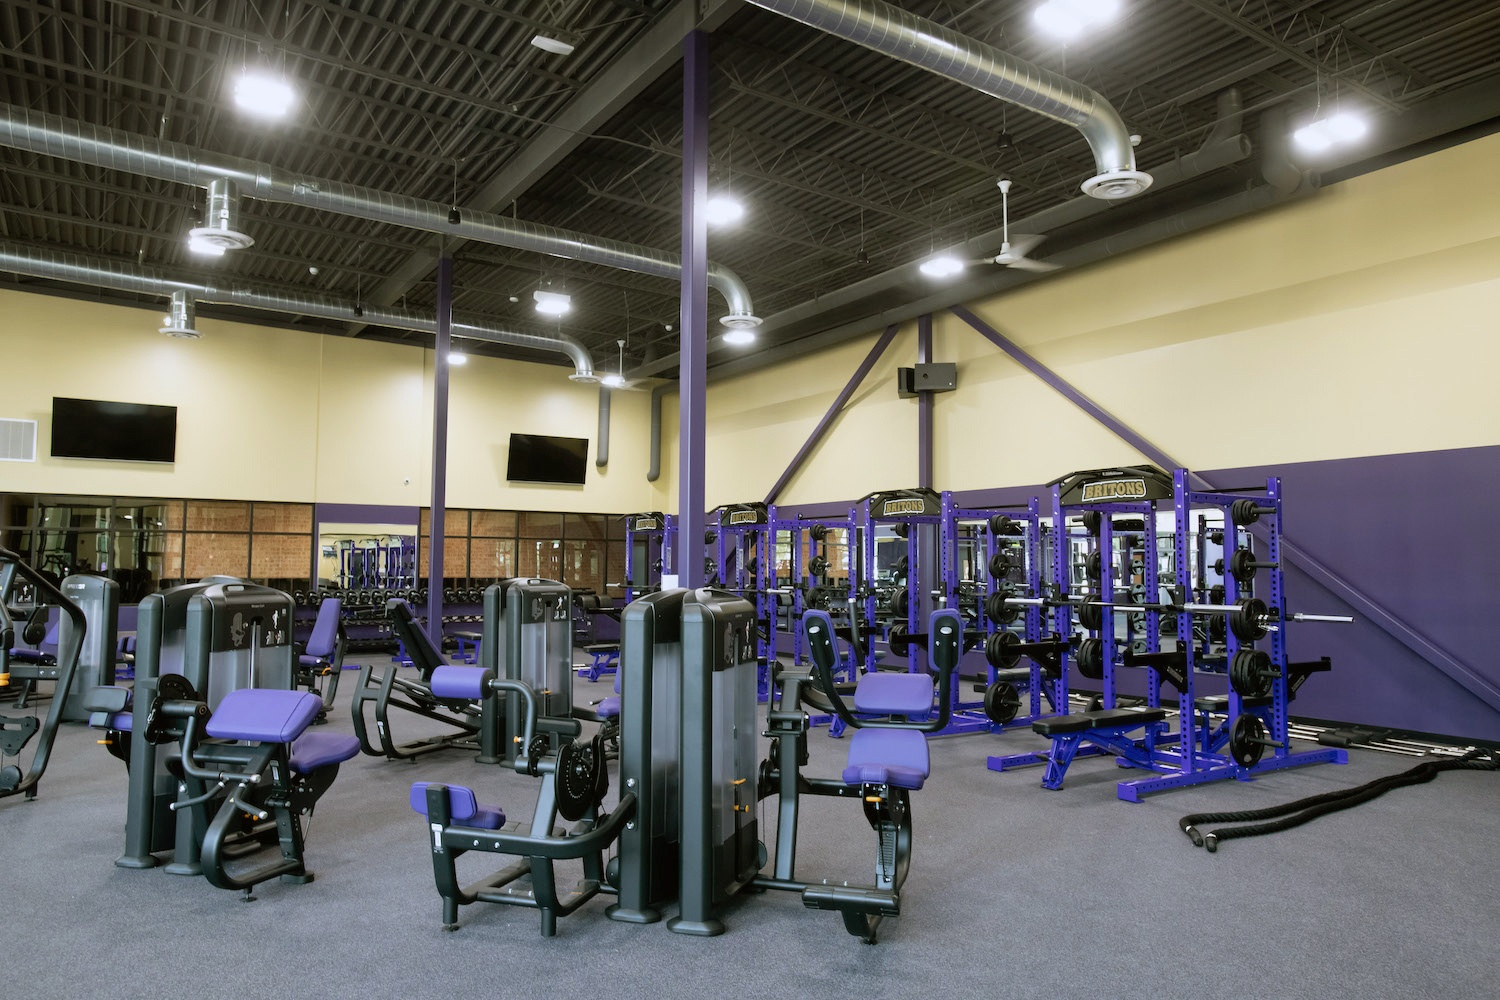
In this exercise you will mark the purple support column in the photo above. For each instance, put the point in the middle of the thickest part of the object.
(924, 404)
(693, 375)
(441, 346)
(833, 411)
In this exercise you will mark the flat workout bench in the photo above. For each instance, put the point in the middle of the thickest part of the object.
(1104, 730)
(605, 660)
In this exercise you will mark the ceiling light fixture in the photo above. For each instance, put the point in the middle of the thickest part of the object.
(263, 94)
(552, 303)
(1322, 134)
(203, 247)
(1070, 19)
(457, 358)
(943, 266)
(739, 336)
(723, 210)
(553, 42)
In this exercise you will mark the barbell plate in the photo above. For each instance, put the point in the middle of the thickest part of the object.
(1247, 740)
(1001, 702)
(1090, 659)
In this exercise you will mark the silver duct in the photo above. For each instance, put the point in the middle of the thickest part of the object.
(97, 273)
(220, 230)
(181, 320)
(52, 135)
(892, 31)
(601, 456)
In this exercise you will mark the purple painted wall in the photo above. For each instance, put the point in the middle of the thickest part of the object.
(1417, 533)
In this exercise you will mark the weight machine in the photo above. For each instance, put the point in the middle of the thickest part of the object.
(648, 552)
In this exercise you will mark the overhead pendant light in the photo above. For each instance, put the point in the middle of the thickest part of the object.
(741, 336)
(942, 266)
(1339, 129)
(554, 42)
(264, 94)
(1070, 19)
(723, 209)
(552, 303)
(616, 379)
(457, 358)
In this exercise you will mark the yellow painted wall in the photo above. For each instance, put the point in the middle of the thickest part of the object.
(240, 392)
(1356, 322)
(268, 414)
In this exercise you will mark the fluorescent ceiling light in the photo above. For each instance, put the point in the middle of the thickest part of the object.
(552, 303)
(263, 94)
(739, 336)
(945, 266)
(457, 358)
(723, 210)
(203, 247)
(551, 43)
(1068, 19)
(1346, 126)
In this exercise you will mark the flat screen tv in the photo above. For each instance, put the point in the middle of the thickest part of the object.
(123, 432)
(539, 458)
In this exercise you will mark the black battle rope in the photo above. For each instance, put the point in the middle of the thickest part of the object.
(1290, 814)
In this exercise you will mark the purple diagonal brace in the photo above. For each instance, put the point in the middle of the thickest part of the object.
(693, 375)
(833, 411)
(1382, 617)
(441, 346)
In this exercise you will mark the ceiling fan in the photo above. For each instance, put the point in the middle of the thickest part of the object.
(1014, 253)
(616, 379)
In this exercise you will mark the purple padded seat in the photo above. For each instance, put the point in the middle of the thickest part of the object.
(463, 807)
(608, 708)
(315, 750)
(325, 634)
(120, 722)
(263, 715)
(894, 694)
(888, 757)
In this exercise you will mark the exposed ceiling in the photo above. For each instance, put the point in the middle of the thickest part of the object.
(853, 166)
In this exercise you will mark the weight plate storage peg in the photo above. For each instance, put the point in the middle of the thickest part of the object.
(1001, 524)
(1001, 701)
(1251, 673)
(1091, 659)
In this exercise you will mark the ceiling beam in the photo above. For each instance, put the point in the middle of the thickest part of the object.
(655, 51)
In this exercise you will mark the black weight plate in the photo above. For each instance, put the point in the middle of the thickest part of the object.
(1246, 620)
(896, 639)
(1251, 673)
(902, 529)
(1090, 614)
(897, 602)
(1246, 738)
(818, 532)
(1092, 519)
(998, 611)
(902, 565)
(817, 566)
(1218, 632)
(1001, 702)
(577, 780)
(1242, 565)
(1001, 524)
(535, 751)
(1091, 659)
(1000, 565)
(998, 652)
(1094, 567)
(1243, 512)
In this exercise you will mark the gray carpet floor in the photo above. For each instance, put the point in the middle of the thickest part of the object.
(1014, 892)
